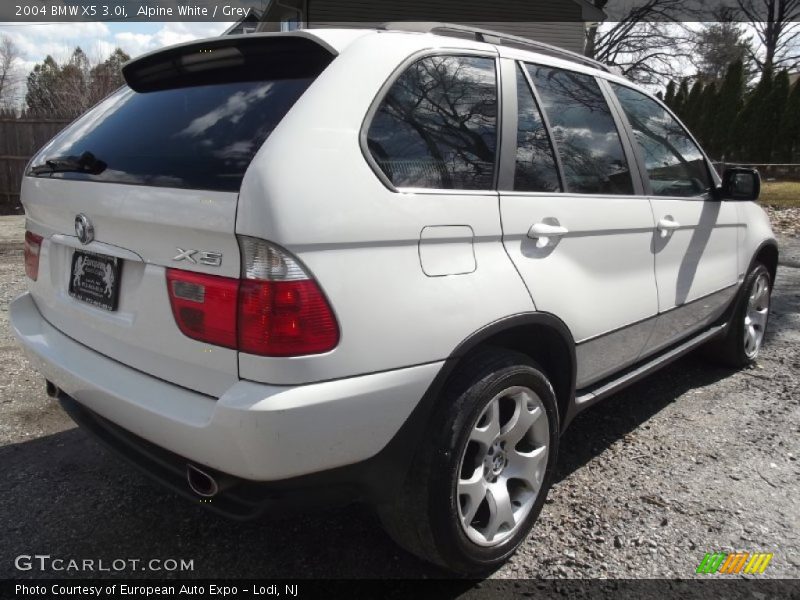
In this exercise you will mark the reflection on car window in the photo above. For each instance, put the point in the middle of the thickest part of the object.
(436, 128)
(536, 166)
(199, 137)
(584, 130)
(675, 165)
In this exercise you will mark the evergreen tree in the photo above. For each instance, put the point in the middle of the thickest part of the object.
(789, 131)
(680, 98)
(691, 109)
(42, 86)
(773, 115)
(704, 122)
(754, 140)
(717, 45)
(768, 118)
(727, 107)
(669, 96)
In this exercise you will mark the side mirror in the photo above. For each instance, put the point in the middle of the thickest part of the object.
(741, 184)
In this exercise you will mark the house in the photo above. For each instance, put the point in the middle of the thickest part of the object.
(248, 24)
(558, 22)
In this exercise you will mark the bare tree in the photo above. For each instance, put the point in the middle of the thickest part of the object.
(9, 53)
(776, 25)
(74, 85)
(646, 43)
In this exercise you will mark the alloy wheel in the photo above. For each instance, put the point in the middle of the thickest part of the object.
(755, 320)
(503, 466)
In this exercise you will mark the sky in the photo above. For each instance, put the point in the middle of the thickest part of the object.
(36, 40)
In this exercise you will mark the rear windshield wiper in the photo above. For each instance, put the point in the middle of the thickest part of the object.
(85, 163)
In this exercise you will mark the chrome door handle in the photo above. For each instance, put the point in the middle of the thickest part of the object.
(542, 232)
(667, 225)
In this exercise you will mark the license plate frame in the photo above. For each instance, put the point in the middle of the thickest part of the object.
(95, 279)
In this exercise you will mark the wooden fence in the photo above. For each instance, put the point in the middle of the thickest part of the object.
(20, 138)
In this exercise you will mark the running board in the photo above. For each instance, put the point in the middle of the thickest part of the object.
(588, 397)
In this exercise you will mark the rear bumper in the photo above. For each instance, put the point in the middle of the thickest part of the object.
(243, 500)
(256, 432)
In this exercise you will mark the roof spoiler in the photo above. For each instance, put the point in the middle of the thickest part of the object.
(229, 58)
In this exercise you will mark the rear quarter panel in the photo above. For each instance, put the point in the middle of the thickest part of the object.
(311, 190)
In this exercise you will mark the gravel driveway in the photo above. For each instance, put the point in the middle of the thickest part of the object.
(695, 459)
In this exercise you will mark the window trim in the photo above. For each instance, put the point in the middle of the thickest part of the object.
(621, 126)
(508, 142)
(363, 136)
(629, 144)
(622, 117)
(562, 182)
(713, 176)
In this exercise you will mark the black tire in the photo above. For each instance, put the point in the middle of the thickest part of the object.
(730, 349)
(424, 518)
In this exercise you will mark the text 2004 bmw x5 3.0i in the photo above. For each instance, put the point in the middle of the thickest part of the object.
(377, 265)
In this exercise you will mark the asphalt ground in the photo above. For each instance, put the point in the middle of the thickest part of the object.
(694, 459)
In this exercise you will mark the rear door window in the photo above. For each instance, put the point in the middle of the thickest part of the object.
(437, 125)
(585, 132)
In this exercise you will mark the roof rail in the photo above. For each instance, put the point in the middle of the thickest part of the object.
(495, 37)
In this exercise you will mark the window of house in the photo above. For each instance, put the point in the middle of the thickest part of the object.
(536, 169)
(675, 165)
(584, 131)
(437, 125)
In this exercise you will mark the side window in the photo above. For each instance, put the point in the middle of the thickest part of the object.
(585, 133)
(675, 165)
(437, 125)
(536, 169)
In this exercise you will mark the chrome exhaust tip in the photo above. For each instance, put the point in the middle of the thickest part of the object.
(201, 483)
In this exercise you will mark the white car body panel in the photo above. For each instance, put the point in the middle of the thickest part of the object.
(254, 431)
(607, 250)
(695, 264)
(409, 274)
(369, 240)
(699, 258)
(755, 230)
(145, 226)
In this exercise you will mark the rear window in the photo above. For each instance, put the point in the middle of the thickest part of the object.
(198, 136)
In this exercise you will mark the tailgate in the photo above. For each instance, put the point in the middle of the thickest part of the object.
(141, 332)
(155, 170)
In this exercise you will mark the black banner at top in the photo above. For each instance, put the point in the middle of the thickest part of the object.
(374, 12)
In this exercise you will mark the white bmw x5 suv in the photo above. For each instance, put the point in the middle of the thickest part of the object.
(377, 265)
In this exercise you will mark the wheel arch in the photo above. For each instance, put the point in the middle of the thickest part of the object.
(541, 336)
(766, 254)
(544, 338)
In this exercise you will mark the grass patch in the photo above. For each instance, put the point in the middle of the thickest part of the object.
(780, 194)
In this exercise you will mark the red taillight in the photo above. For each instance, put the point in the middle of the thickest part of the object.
(204, 306)
(285, 318)
(33, 245)
(277, 309)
